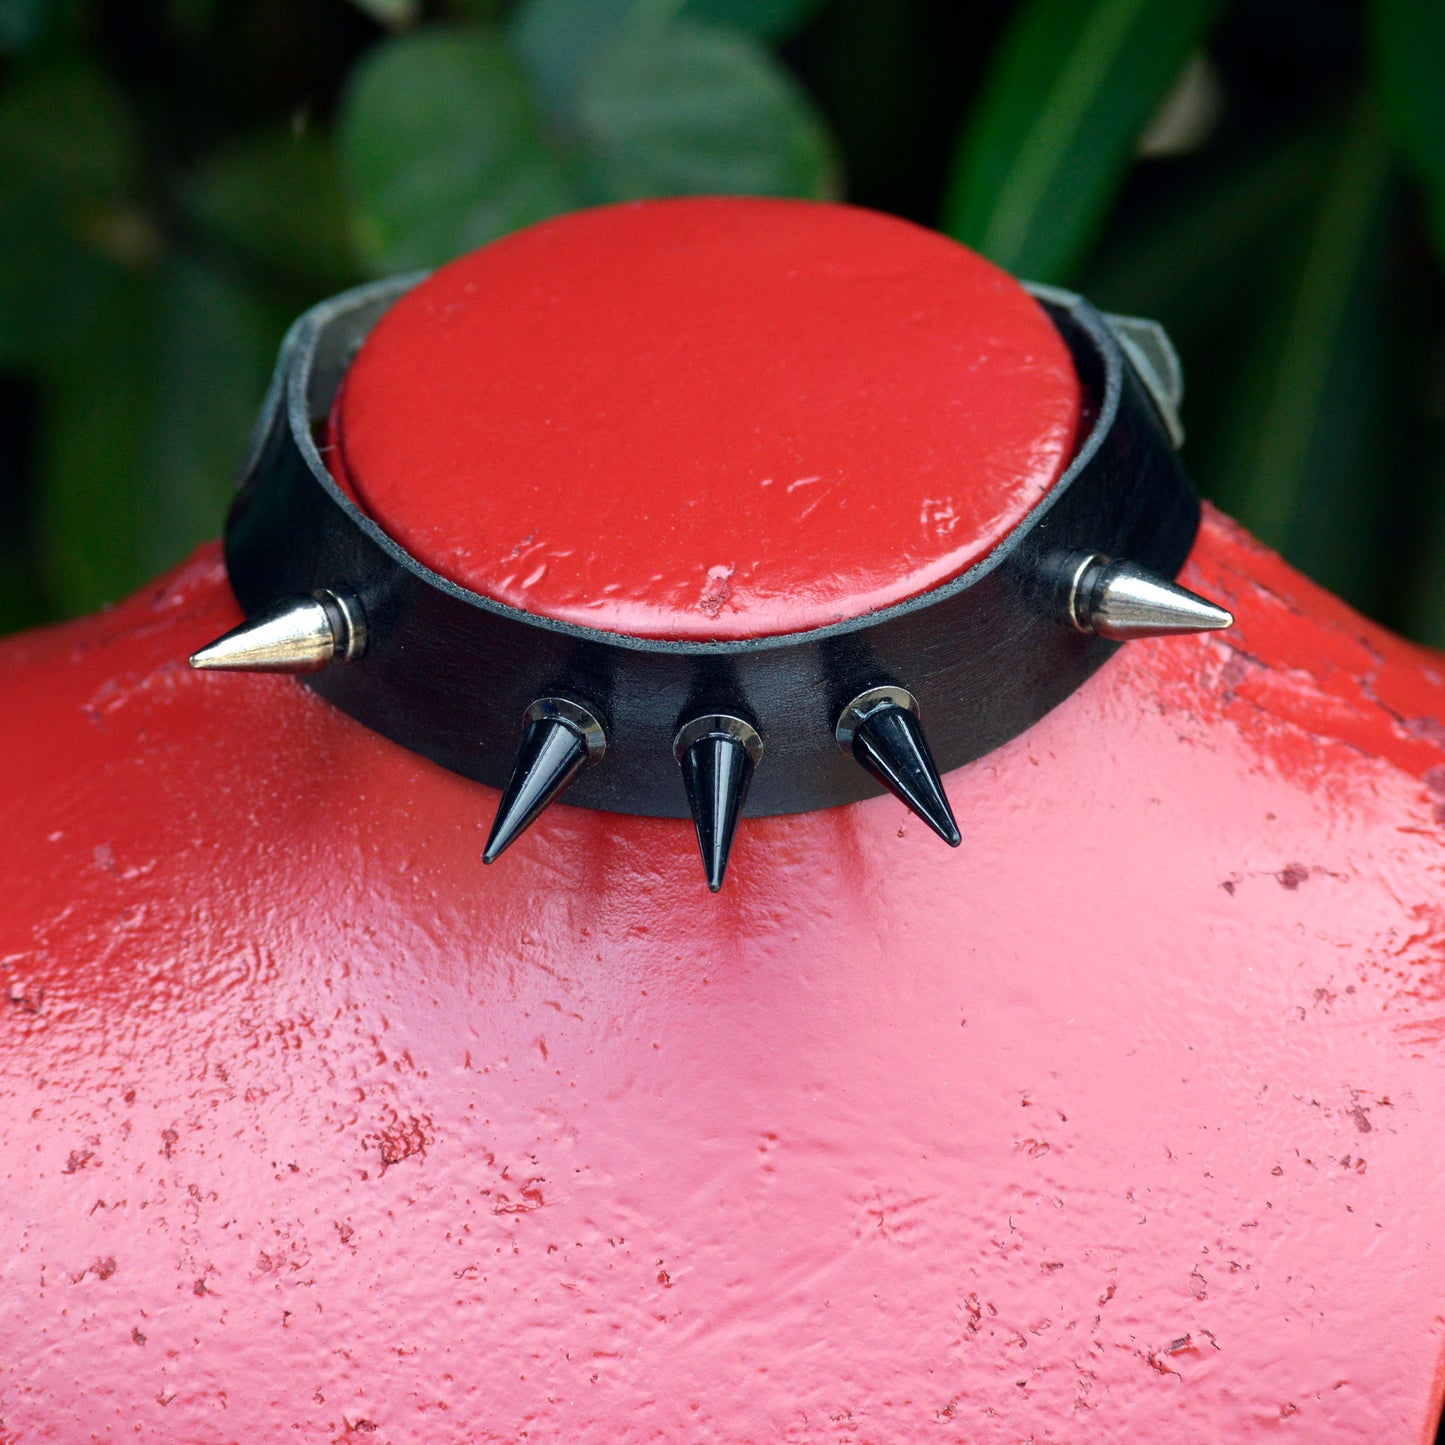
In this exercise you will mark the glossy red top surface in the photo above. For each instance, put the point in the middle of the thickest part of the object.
(708, 418)
(1117, 1124)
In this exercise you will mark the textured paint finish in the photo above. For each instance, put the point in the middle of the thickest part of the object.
(1120, 1122)
(661, 418)
(1116, 1123)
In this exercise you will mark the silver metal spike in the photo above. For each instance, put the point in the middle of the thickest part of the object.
(298, 634)
(1124, 601)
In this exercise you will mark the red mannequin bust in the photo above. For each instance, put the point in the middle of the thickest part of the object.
(1105, 1125)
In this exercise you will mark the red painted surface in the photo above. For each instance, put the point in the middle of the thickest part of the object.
(635, 417)
(1118, 1123)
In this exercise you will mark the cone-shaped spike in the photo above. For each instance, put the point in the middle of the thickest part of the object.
(292, 636)
(560, 738)
(1125, 601)
(881, 729)
(717, 754)
(298, 634)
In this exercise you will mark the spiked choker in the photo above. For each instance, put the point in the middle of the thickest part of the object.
(712, 730)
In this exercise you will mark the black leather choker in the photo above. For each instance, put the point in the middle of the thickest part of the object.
(710, 730)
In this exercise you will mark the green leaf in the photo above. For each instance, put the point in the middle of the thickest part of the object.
(770, 19)
(1408, 38)
(278, 199)
(394, 14)
(696, 110)
(24, 23)
(90, 520)
(69, 158)
(191, 20)
(67, 125)
(558, 40)
(1191, 258)
(443, 149)
(1421, 613)
(1292, 450)
(215, 344)
(1045, 152)
(143, 432)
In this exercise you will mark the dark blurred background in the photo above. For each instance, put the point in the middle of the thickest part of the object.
(178, 178)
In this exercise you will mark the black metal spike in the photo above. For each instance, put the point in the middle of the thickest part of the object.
(561, 736)
(717, 754)
(881, 729)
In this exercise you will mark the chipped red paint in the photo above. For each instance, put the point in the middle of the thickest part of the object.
(1117, 1123)
(628, 417)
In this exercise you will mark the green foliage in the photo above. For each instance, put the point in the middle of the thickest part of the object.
(1274, 271)
(1202, 257)
(397, 14)
(558, 40)
(244, 198)
(173, 190)
(24, 23)
(453, 137)
(1295, 422)
(682, 114)
(771, 19)
(143, 433)
(150, 359)
(1273, 279)
(145, 281)
(70, 158)
(1046, 151)
(444, 149)
(1409, 47)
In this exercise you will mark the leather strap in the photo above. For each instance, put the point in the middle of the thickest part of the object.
(448, 673)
